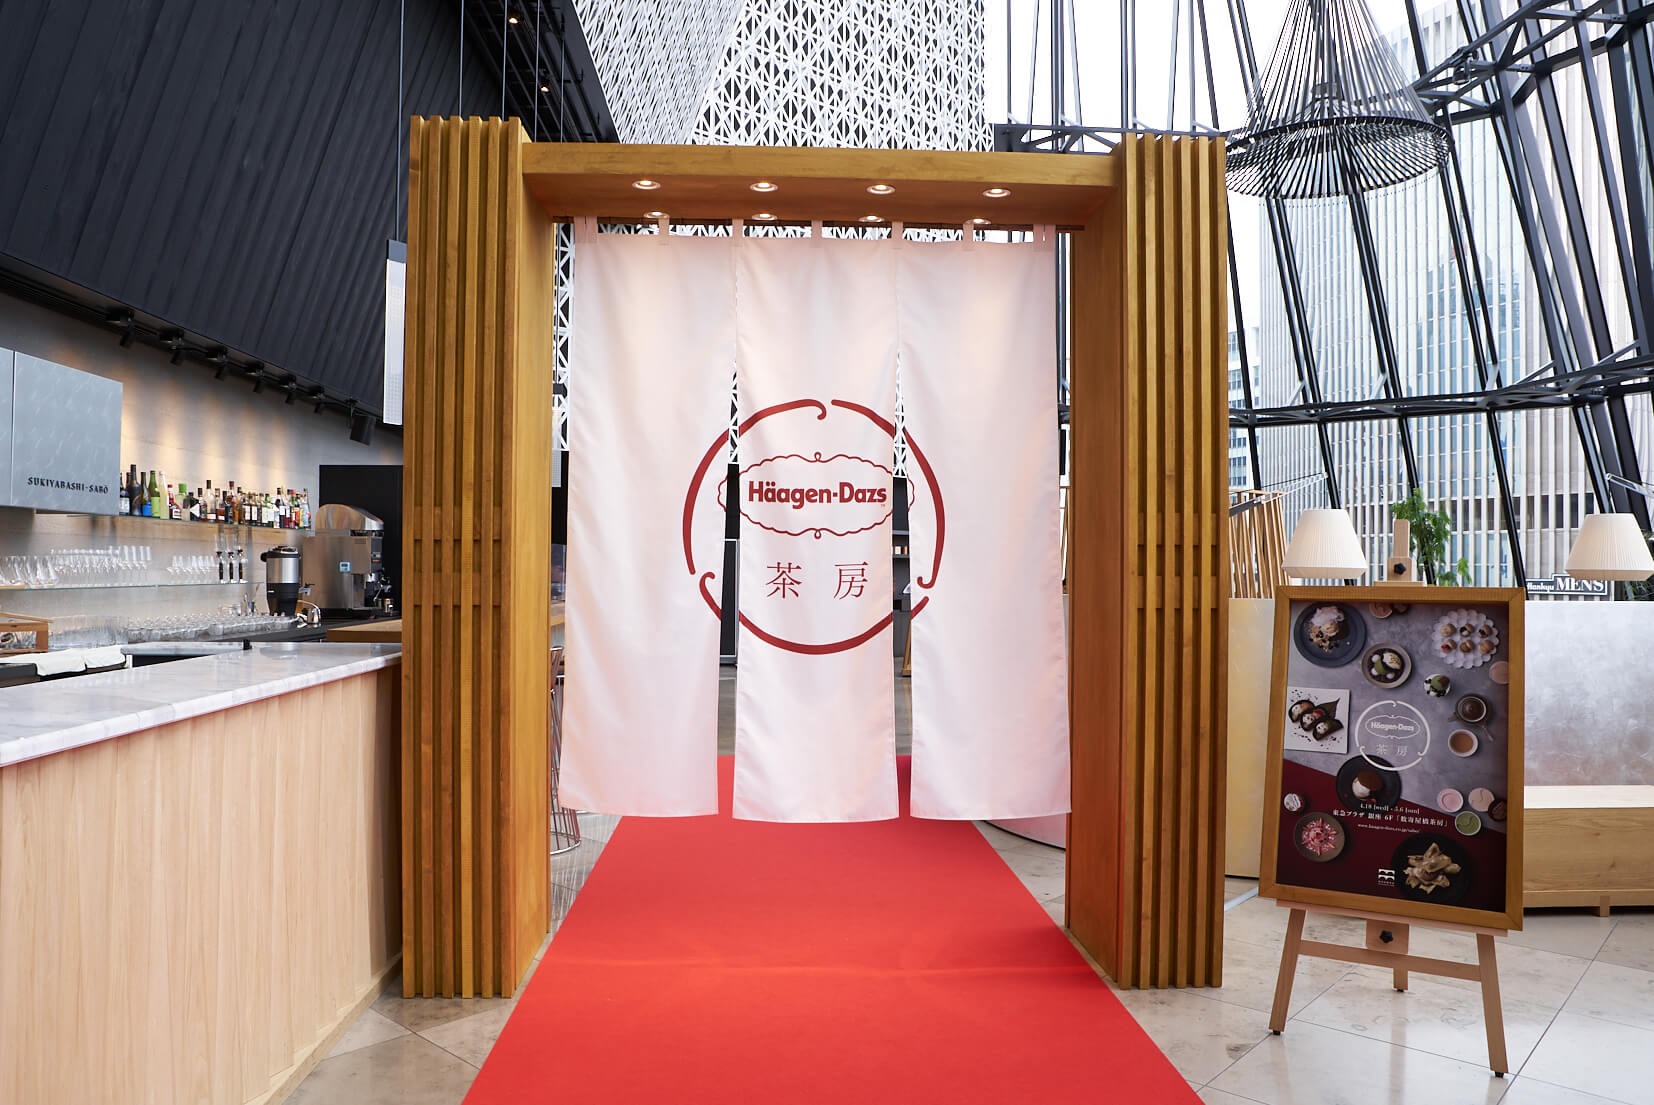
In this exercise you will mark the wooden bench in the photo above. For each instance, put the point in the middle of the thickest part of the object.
(1588, 846)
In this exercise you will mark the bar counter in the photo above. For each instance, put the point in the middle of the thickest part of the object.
(199, 868)
(54, 716)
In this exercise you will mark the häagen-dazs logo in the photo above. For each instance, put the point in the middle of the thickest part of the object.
(816, 499)
(820, 496)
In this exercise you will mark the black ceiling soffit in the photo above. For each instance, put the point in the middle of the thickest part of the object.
(222, 179)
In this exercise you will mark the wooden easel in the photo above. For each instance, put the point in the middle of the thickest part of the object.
(1380, 926)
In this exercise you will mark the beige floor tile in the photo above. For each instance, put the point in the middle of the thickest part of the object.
(1055, 907)
(1220, 1097)
(1201, 1036)
(1564, 932)
(1631, 944)
(1605, 1058)
(1542, 978)
(1234, 888)
(1041, 869)
(1531, 1091)
(1000, 839)
(1312, 1065)
(1610, 992)
(1261, 921)
(1250, 972)
(1440, 1019)
(418, 1014)
(404, 1071)
(370, 1028)
(471, 1038)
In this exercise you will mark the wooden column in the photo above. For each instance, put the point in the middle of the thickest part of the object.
(1150, 580)
(476, 566)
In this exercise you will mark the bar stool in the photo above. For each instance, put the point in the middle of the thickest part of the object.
(565, 824)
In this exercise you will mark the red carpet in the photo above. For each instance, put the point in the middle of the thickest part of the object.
(709, 960)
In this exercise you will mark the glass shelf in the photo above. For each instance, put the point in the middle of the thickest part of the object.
(180, 522)
(15, 590)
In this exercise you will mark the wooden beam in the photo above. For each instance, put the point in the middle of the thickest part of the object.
(1150, 582)
(476, 698)
(714, 182)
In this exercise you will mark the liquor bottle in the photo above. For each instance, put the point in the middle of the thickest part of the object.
(221, 551)
(281, 510)
(132, 506)
(175, 509)
(155, 505)
(126, 501)
(187, 500)
(232, 505)
(142, 505)
(240, 564)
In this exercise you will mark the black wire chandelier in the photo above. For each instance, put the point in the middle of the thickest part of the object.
(1333, 113)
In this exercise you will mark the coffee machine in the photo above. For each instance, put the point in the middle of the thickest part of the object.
(281, 579)
(344, 560)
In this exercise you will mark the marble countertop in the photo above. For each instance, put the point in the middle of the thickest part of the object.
(39, 719)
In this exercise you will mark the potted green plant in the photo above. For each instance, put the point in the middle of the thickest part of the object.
(1430, 530)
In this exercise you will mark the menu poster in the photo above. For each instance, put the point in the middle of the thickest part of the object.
(1395, 752)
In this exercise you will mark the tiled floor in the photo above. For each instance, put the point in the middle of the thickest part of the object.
(1578, 998)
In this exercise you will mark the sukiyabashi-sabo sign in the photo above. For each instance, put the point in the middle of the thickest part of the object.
(60, 436)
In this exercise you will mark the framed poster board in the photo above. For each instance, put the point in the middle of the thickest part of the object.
(1394, 778)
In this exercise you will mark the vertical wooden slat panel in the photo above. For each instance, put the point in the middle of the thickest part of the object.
(487, 566)
(1150, 578)
(1214, 203)
(478, 379)
(1187, 905)
(477, 287)
(456, 186)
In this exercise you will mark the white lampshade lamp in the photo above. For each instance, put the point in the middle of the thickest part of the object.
(1610, 546)
(1324, 546)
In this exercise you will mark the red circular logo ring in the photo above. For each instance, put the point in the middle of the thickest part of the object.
(704, 578)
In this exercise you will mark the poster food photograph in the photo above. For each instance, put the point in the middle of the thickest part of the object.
(1395, 752)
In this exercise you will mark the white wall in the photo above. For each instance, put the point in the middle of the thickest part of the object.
(194, 428)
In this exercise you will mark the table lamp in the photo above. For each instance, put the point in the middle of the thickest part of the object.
(1611, 547)
(1324, 546)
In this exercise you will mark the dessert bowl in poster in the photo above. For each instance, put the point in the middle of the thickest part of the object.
(1317, 719)
(1329, 634)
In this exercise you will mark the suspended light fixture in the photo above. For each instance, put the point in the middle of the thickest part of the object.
(1333, 112)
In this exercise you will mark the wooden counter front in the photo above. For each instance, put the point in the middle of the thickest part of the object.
(383, 632)
(194, 911)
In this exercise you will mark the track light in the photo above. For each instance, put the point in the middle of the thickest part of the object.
(223, 362)
(177, 354)
(361, 427)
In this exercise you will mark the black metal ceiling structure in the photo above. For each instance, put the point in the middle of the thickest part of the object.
(221, 180)
(1503, 73)
(537, 54)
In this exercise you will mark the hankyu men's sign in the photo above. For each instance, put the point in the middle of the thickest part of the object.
(65, 447)
(1567, 585)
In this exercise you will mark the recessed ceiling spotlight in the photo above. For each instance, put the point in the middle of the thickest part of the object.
(545, 88)
(996, 193)
(646, 185)
(979, 222)
(511, 19)
(880, 189)
(871, 219)
(763, 186)
(654, 214)
(764, 217)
